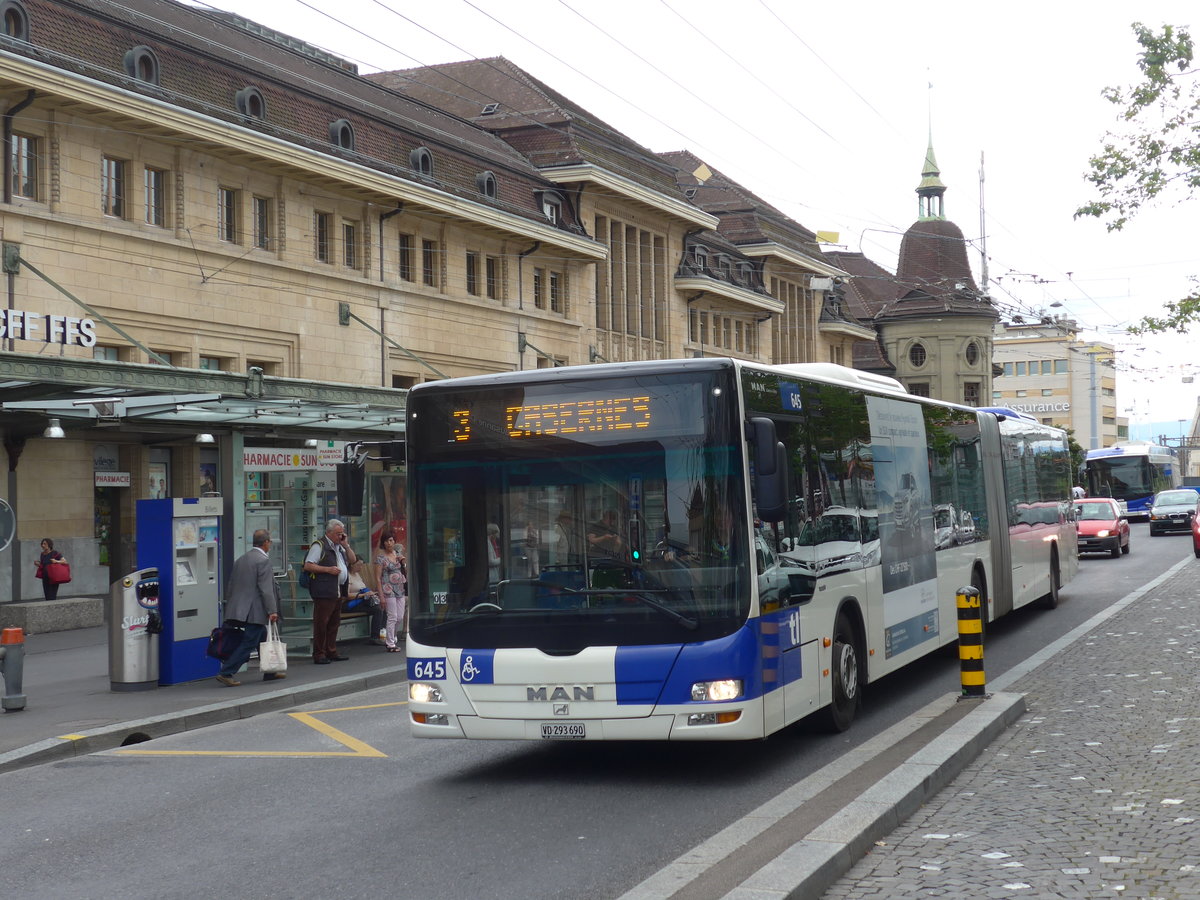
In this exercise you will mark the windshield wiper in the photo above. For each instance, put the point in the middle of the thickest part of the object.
(644, 597)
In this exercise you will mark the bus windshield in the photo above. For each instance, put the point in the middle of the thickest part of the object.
(563, 515)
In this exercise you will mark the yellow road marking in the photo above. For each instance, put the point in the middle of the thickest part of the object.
(357, 748)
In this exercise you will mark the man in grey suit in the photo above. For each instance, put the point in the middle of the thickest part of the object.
(252, 600)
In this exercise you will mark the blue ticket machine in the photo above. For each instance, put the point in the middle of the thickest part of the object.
(181, 538)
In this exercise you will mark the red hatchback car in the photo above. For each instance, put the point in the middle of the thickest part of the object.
(1102, 528)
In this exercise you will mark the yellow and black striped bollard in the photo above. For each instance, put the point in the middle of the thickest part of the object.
(970, 643)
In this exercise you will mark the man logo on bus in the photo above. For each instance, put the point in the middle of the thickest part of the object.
(559, 692)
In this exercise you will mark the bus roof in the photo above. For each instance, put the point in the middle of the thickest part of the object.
(1131, 448)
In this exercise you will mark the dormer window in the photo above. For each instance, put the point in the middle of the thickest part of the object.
(16, 20)
(700, 255)
(422, 161)
(341, 134)
(250, 103)
(745, 273)
(726, 267)
(141, 63)
(486, 182)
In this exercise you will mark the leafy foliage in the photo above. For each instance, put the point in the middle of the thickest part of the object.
(1160, 152)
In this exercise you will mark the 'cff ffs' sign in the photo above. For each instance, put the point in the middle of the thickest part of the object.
(23, 325)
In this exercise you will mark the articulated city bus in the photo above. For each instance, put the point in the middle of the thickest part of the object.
(705, 549)
(1132, 472)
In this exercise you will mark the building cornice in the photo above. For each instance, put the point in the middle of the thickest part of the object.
(795, 257)
(731, 292)
(163, 118)
(848, 329)
(631, 190)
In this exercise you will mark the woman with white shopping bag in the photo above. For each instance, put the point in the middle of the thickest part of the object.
(252, 601)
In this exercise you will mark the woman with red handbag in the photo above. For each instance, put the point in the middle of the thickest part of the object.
(49, 557)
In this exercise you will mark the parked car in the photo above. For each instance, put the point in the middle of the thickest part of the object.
(1172, 510)
(1101, 526)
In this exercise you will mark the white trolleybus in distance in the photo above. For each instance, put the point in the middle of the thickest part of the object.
(1131, 472)
(704, 549)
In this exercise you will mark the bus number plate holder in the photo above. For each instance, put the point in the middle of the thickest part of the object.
(563, 731)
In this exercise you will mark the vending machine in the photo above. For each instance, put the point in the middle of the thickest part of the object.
(181, 538)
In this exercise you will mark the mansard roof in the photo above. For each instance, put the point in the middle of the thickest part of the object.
(547, 127)
(746, 218)
(934, 275)
(206, 57)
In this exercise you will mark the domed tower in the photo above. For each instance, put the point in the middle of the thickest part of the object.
(938, 330)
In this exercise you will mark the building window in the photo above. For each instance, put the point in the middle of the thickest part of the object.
(112, 186)
(142, 63)
(556, 302)
(16, 20)
(249, 102)
(1022, 393)
(1020, 368)
(492, 272)
(350, 245)
(1008, 368)
(472, 273)
(227, 214)
(996, 396)
(322, 223)
(972, 353)
(341, 134)
(429, 263)
(919, 389)
(210, 363)
(25, 166)
(422, 161)
(167, 356)
(406, 257)
(1060, 367)
(552, 209)
(486, 182)
(268, 367)
(539, 288)
(1047, 392)
(917, 356)
(108, 354)
(971, 393)
(156, 197)
(262, 222)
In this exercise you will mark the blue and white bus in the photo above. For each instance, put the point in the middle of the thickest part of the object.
(1132, 471)
(704, 549)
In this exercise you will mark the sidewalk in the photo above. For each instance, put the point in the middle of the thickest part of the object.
(1092, 794)
(70, 709)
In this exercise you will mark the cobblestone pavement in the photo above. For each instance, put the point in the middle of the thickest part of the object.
(1094, 793)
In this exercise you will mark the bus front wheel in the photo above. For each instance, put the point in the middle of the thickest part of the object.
(1050, 600)
(844, 675)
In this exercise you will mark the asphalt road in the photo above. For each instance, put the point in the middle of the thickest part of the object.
(340, 801)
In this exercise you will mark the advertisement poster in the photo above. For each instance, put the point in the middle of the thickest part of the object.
(208, 478)
(158, 481)
(388, 508)
(910, 604)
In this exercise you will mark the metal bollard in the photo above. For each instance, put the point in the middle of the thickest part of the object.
(12, 667)
(970, 644)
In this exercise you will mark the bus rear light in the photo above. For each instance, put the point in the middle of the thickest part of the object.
(714, 718)
(726, 689)
(419, 692)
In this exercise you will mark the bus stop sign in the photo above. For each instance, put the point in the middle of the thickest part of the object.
(8, 524)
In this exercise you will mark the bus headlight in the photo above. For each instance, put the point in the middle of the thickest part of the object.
(726, 689)
(419, 692)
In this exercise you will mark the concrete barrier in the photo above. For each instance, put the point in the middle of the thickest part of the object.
(63, 614)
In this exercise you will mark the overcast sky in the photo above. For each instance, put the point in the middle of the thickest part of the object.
(825, 110)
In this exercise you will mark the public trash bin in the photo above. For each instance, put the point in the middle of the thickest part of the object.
(133, 628)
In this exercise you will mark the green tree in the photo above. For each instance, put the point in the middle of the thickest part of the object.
(1158, 152)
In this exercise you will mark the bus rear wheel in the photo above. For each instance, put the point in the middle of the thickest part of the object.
(845, 675)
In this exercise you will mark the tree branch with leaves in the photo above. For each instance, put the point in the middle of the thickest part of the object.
(1158, 153)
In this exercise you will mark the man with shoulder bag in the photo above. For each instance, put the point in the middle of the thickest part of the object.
(251, 600)
(328, 566)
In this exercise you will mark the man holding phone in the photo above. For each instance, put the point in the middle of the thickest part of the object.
(328, 566)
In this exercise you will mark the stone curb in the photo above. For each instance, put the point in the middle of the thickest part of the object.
(109, 737)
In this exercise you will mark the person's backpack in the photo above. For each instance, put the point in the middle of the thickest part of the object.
(305, 579)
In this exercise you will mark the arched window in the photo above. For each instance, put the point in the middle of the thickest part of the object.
(142, 63)
(422, 160)
(249, 101)
(486, 182)
(341, 134)
(16, 20)
(916, 355)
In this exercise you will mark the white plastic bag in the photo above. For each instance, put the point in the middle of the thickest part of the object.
(272, 653)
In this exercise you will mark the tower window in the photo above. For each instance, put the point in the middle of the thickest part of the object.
(917, 355)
